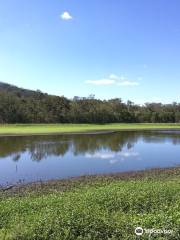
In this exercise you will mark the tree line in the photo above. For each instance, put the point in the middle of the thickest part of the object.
(19, 106)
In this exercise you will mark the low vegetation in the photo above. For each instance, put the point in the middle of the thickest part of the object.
(98, 208)
(18, 129)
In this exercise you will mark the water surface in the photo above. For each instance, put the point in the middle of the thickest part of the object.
(33, 158)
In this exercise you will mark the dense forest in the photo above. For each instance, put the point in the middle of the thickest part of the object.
(19, 105)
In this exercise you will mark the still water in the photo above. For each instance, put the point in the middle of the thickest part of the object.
(35, 158)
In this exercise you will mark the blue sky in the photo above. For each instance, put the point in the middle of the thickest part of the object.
(128, 49)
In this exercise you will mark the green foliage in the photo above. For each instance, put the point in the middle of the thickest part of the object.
(19, 105)
(110, 210)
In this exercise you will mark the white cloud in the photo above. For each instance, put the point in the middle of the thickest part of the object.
(128, 154)
(113, 76)
(113, 80)
(128, 83)
(66, 16)
(100, 155)
(112, 155)
(101, 82)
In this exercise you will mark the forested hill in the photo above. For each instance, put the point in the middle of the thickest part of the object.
(19, 105)
(5, 87)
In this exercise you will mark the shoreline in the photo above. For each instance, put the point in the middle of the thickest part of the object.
(89, 180)
(87, 132)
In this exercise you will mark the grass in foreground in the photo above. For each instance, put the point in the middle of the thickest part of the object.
(94, 208)
(18, 129)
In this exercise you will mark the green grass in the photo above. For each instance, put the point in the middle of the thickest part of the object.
(18, 129)
(101, 209)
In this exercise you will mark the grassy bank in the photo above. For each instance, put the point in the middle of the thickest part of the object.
(20, 129)
(100, 207)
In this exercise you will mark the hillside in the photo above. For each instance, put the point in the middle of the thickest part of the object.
(18, 105)
(5, 87)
